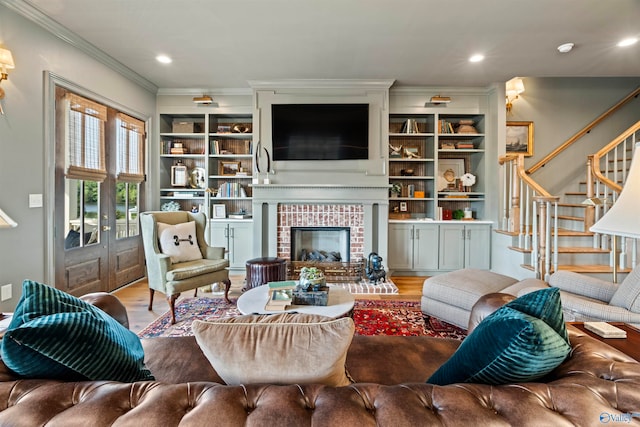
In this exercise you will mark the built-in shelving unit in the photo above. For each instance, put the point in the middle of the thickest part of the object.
(206, 160)
(428, 156)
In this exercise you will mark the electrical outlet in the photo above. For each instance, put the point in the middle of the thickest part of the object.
(5, 292)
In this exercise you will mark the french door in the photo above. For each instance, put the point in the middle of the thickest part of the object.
(99, 186)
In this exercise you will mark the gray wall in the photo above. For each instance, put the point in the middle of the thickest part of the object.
(23, 166)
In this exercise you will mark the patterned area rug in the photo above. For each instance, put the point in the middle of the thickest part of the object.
(372, 317)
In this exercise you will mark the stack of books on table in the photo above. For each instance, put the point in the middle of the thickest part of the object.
(280, 295)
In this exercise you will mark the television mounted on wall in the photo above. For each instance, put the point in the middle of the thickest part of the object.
(320, 131)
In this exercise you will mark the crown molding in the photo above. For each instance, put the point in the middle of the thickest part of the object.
(200, 91)
(33, 14)
(321, 84)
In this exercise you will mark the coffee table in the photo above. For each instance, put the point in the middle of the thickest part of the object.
(340, 303)
(629, 345)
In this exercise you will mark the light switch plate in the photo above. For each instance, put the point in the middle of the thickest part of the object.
(35, 200)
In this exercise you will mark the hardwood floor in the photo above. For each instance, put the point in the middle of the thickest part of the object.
(136, 297)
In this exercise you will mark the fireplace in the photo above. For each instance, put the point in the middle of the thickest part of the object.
(361, 208)
(321, 244)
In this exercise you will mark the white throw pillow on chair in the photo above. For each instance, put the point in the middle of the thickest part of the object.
(179, 241)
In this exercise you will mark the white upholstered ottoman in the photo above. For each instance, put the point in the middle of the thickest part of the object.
(451, 296)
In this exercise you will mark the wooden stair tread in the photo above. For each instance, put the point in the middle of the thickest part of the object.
(581, 250)
(589, 269)
(571, 218)
(576, 193)
(572, 205)
(566, 250)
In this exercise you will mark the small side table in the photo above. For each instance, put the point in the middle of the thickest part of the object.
(629, 345)
(261, 271)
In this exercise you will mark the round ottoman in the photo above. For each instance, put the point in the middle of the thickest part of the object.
(260, 271)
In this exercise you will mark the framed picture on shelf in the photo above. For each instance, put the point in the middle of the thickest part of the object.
(179, 176)
(519, 138)
(219, 211)
(229, 168)
(403, 207)
(448, 171)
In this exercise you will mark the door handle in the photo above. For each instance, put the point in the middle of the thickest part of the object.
(106, 228)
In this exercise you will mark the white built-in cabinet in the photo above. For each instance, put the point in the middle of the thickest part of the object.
(464, 246)
(432, 247)
(237, 239)
(413, 246)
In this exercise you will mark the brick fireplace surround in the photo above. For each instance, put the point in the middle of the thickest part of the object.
(278, 207)
(324, 215)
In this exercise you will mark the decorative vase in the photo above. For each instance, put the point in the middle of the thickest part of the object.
(466, 126)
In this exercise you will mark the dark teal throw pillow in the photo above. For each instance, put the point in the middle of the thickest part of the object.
(522, 341)
(57, 336)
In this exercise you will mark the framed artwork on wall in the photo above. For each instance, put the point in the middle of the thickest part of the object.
(519, 138)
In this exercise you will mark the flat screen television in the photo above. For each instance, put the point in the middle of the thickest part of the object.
(320, 131)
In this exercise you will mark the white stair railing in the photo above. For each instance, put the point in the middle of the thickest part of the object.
(530, 213)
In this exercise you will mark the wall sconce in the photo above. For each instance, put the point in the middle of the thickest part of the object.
(6, 62)
(437, 100)
(203, 100)
(6, 221)
(514, 87)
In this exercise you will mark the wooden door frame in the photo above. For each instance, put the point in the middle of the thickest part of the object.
(51, 81)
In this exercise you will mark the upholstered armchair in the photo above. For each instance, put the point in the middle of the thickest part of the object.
(177, 260)
(586, 298)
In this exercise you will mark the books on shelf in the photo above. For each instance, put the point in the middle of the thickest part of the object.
(231, 189)
(445, 126)
(239, 216)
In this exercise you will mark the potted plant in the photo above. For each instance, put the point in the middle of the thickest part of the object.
(395, 189)
(311, 278)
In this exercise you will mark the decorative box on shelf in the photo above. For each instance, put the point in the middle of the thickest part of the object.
(186, 127)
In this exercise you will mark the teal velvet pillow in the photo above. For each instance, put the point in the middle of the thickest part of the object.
(521, 341)
(55, 335)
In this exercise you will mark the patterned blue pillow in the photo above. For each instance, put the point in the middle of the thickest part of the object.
(521, 341)
(55, 335)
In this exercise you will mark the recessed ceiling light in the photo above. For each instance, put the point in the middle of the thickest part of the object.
(627, 42)
(476, 58)
(164, 59)
(566, 47)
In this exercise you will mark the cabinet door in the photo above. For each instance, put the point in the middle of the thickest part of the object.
(400, 246)
(477, 253)
(219, 232)
(240, 244)
(425, 247)
(452, 239)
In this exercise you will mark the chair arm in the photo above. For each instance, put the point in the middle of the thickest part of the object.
(110, 304)
(584, 285)
(157, 267)
(214, 252)
(584, 310)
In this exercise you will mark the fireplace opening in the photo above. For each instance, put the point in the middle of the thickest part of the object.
(320, 244)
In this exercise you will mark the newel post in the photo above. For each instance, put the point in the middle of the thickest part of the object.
(514, 213)
(545, 231)
(590, 210)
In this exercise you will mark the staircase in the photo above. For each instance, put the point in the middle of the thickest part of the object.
(552, 232)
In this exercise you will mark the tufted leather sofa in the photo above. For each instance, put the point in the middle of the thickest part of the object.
(596, 383)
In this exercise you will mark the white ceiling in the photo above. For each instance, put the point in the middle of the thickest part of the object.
(225, 43)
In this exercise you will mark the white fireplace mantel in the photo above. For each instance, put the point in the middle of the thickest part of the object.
(325, 193)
